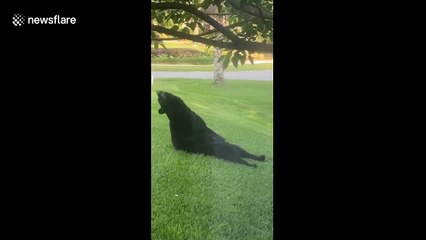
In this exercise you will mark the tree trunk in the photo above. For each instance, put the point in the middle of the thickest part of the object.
(218, 67)
(218, 77)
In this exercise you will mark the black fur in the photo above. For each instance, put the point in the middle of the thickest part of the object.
(190, 133)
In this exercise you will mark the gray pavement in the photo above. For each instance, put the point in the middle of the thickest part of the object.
(262, 75)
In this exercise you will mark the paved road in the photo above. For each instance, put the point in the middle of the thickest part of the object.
(263, 75)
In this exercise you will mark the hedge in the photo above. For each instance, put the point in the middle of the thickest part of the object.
(176, 52)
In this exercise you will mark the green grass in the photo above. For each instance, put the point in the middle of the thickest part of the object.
(245, 67)
(201, 197)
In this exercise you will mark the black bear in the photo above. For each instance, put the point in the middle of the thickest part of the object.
(190, 133)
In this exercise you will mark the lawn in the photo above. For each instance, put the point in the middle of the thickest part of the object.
(200, 197)
(186, 68)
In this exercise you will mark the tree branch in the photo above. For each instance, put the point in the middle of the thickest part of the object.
(166, 39)
(252, 10)
(172, 5)
(241, 45)
(208, 32)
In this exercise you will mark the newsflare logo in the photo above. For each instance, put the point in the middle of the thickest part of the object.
(19, 19)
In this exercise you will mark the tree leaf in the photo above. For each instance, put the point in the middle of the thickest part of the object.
(218, 4)
(162, 44)
(206, 4)
(235, 59)
(192, 25)
(251, 59)
(242, 57)
(227, 59)
(186, 30)
(159, 18)
(254, 30)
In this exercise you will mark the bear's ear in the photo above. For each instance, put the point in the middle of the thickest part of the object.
(161, 111)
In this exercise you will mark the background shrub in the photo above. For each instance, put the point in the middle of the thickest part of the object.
(176, 52)
(200, 60)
